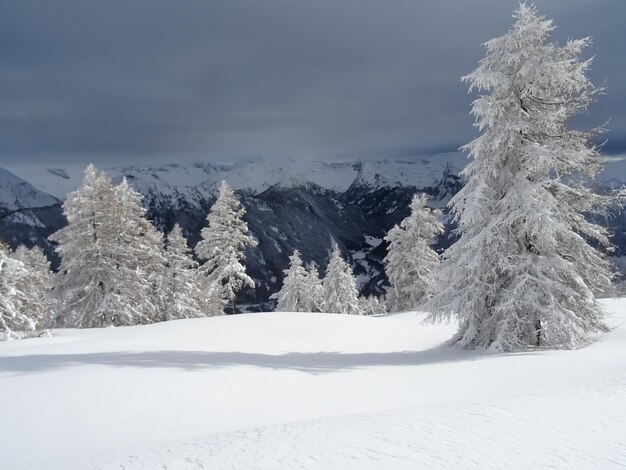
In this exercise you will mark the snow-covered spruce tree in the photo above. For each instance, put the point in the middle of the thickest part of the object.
(294, 294)
(84, 284)
(14, 322)
(36, 283)
(108, 250)
(340, 292)
(141, 262)
(314, 300)
(523, 271)
(223, 245)
(182, 288)
(410, 258)
(371, 305)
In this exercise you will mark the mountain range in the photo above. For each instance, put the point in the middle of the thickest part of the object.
(292, 203)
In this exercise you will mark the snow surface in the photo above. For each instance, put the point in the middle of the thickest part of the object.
(312, 391)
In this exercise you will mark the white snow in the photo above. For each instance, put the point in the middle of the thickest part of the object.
(313, 391)
(373, 241)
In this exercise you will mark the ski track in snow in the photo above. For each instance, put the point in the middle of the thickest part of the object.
(307, 391)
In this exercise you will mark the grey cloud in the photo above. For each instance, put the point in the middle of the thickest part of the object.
(153, 79)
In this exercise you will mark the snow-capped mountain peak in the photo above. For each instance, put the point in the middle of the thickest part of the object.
(16, 193)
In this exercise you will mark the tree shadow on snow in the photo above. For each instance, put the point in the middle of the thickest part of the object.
(308, 362)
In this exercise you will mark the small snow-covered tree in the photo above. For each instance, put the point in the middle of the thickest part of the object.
(36, 284)
(372, 305)
(523, 271)
(293, 296)
(410, 258)
(13, 320)
(182, 288)
(340, 292)
(223, 245)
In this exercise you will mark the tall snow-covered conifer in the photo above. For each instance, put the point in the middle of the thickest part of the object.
(110, 254)
(142, 262)
(294, 294)
(340, 292)
(84, 285)
(410, 258)
(523, 271)
(223, 245)
(36, 284)
(182, 288)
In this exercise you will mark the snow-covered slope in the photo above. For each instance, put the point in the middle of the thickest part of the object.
(312, 391)
(16, 193)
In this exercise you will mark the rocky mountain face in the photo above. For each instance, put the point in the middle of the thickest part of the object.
(289, 204)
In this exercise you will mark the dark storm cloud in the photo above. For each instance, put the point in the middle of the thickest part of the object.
(144, 79)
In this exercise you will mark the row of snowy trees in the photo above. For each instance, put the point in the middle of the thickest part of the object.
(117, 269)
(304, 291)
(409, 264)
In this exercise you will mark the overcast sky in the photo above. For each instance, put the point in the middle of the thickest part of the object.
(119, 81)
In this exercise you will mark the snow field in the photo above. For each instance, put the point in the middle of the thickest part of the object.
(315, 391)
